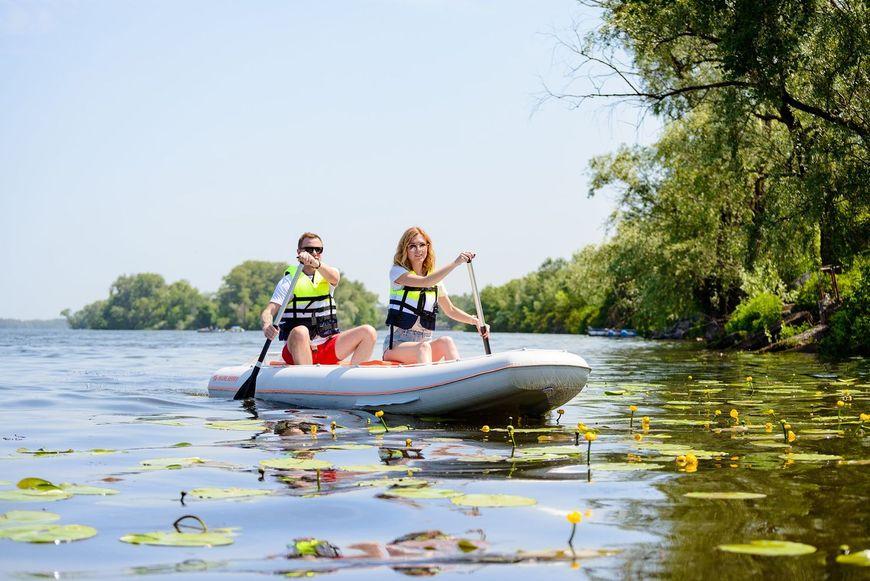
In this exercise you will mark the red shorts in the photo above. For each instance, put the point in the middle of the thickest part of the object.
(324, 354)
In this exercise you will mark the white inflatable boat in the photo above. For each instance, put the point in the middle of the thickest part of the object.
(524, 381)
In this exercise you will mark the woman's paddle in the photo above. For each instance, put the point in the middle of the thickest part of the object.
(478, 307)
(249, 388)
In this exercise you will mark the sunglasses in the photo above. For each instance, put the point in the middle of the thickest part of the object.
(420, 246)
(313, 249)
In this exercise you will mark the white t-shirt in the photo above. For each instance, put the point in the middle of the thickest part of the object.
(281, 292)
(395, 272)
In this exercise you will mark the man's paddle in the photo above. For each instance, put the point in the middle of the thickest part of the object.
(249, 388)
(478, 307)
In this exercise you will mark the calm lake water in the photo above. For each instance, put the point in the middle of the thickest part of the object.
(112, 409)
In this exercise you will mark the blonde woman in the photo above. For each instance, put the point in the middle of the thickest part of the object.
(416, 294)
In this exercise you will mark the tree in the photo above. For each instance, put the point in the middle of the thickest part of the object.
(245, 291)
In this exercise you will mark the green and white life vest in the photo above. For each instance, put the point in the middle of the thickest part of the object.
(312, 305)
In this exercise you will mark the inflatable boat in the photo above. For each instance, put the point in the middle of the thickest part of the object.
(524, 381)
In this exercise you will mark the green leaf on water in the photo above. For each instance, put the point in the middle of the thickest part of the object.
(678, 450)
(241, 425)
(17, 517)
(45, 533)
(809, 457)
(492, 500)
(36, 484)
(181, 445)
(421, 492)
(376, 429)
(625, 466)
(725, 495)
(171, 463)
(861, 559)
(295, 464)
(378, 468)
(767, 548)
(770, 444)
(614, 392)
(175, 539)
(34, 495)
(100, 451)
(407, 481)
(820, 432)
(224, 493)
(44, 452)
(88, 490)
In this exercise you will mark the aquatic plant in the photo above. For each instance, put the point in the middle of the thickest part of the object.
(590, 437)
(380, 415)
(632, 408)
(573, 518)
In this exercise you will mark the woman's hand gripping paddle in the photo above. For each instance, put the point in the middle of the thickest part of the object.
(249, 388)
(479, 308)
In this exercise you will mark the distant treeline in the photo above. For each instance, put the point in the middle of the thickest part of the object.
(33, 324)
(146, 301)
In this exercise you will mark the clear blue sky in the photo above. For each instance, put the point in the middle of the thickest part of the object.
(183, 138)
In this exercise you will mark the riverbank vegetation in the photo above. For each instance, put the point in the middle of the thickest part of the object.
(754, 194)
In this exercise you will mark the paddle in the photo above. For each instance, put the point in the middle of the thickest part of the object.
(478, 307)
(249, 388)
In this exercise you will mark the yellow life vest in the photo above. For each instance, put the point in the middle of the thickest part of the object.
(312, 305)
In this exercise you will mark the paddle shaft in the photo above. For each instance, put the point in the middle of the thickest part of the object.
(478, 307)
(249, 388)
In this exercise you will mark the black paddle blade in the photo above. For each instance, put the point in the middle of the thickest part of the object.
(249, 388)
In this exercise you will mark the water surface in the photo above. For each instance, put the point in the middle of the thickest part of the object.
(141, 396)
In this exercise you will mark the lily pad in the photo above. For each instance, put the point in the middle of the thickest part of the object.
(421, 492)
(725, 495)
(36, 484)
(677, 450)
(44, 452)
(614, 392)
(223, 493)
(381, 430)
(492, 500)
(625, 466)
(172, 463)
(767, 548)
(88, 490)
(295, 464)
(175, 539)
(46, 533)
(378, 468)
(809, 457)
(17, 517)
(407, 481)
(241, 425)
(770, 444)
(34, 495)
(861, 559)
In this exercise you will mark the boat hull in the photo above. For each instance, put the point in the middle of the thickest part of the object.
(525, 381)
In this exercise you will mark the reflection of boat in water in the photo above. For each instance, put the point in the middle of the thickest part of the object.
(605, 332)
(210, 330)
(527, 381)
(236, 329)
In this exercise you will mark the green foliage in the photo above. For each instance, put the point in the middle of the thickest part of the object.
(849, 326)
(356, 305)
(759, 313)
(245, 291)
(787, 331)
(145, 301)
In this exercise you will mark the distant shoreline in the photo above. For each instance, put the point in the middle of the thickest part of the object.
(59, 323)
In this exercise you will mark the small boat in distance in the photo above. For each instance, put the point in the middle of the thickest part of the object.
(605, 332)
(523, 381)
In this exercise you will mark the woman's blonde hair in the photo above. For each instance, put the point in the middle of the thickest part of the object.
(401, 256)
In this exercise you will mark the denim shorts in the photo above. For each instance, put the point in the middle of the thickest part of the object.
(405, 335)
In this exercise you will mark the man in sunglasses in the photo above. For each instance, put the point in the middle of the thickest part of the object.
(310, 323)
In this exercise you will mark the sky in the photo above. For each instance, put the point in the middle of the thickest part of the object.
(183, 138)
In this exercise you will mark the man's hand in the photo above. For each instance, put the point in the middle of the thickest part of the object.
(270, 331)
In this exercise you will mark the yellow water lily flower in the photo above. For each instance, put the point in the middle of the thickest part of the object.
(734, 414)
(768, 427)
(379, 414)
(574, 517)
(591, 436)
(865, 417)
(681, 460)
(484, 429)
(408, 442)
(638, 437)
(632, 408)
(313, 429)
(748, 379)
(690, 378)
(691, 459)
(791, 437)
(718, 413)
(840, 403)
